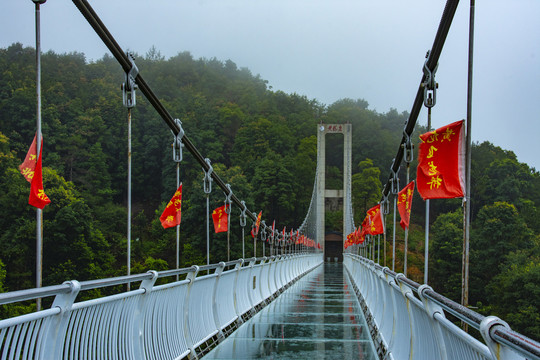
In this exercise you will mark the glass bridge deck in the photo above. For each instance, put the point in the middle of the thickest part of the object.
(318, 317)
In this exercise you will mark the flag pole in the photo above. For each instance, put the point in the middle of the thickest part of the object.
(39, 213)
(468, 145)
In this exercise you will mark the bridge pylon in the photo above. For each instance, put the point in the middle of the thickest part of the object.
(332, 249)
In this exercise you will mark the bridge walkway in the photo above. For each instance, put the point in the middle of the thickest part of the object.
(318, 317)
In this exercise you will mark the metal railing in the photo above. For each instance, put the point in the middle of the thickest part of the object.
(169, 321)
(411, 323)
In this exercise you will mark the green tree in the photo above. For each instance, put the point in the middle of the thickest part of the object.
(366, 188)
(446, 247)
(497, 231)
(513, 293)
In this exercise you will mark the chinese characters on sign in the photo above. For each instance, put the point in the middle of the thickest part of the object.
(335, 128)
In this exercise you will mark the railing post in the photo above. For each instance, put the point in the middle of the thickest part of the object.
(235, 292)
(392, 340)
(499, 352)
(218, 272)
(54, 339)
(433, 308)
(138, 324)
(252, 262)
(406, 292)
(187, 333)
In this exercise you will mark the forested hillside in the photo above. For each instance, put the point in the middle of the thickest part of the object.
(263, 143)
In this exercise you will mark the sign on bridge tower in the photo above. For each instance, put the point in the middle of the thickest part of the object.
(331, 248)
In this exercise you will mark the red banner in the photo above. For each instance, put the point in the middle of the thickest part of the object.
(221, 219)
(172, 214)
(376, 223)
(441, 163)
(38, 198)
(404, 204)
(28, 167)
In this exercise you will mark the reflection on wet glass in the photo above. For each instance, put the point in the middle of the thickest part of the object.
(316, 318)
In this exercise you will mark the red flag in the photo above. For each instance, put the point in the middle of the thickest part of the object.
(38, 198)
(173, 212)
(258, 222)
(255, 230)
(404, 204)
(376, 224)
(28, 167)
(221, 218)
(441, 163)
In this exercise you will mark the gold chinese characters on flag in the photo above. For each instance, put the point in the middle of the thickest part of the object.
(441, 163)
(172, 214)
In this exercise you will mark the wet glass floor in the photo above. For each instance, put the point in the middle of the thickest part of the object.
(318, 317)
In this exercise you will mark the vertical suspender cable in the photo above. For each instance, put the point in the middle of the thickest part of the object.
(207, 187)
(228, 212)
(243, 224)
(39, 212)
(467, 208)
(177, 158)
(128, 265)
(129, 100)
(426, 229)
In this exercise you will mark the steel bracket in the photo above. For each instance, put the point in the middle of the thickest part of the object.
(129, 86)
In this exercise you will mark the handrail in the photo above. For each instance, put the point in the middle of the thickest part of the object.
(31, 294)
(186, 316)
(499, 333)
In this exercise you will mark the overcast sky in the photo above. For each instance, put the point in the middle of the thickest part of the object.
(331, 49)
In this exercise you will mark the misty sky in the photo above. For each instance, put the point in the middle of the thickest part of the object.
(331, 49)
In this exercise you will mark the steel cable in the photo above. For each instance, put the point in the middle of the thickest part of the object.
(431, 63)
(122, 58)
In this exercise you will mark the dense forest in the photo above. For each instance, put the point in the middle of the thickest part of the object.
(263, 143)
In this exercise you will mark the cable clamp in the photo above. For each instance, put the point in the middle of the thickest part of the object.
(385, 205)
(408, 148)
(395, 179)
(243, 215)
(177, 143)
(228, 199)
(430, 85)
(263, 230)
(129, 86)
(207, 181)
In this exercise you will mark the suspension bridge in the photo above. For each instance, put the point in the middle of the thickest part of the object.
(302, 301)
